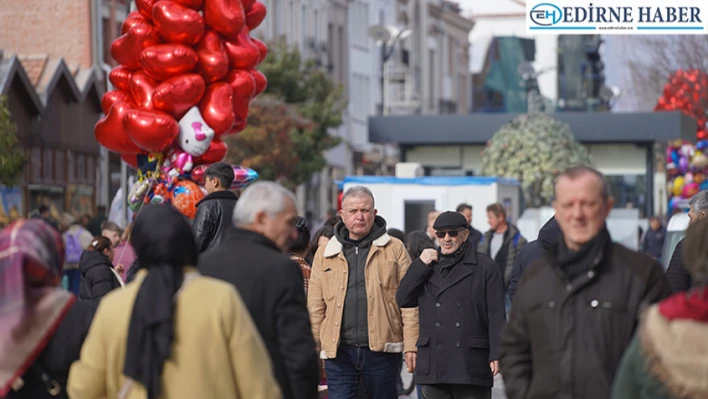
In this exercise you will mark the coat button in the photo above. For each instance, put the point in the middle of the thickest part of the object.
(458, 345)
(336, 323)
(437, 324)
(437, 304)
(591, 274)
(333, 340)
(594, 303)
(457, 325)
(339, 305)
(341, 288)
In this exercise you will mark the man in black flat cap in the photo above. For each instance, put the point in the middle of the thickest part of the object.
(460, 296)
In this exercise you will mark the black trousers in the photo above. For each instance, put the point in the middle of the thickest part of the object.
(455, 391)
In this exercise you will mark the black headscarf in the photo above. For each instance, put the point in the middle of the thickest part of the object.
(164, 243)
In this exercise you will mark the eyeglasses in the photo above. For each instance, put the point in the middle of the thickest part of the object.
(451, 233)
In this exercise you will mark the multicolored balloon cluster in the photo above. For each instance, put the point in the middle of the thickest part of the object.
(186, 79)
(687, 91)
(687, 169)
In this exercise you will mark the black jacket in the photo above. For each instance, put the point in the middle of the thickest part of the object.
(63, 348)
(549, 235)
(653, 242)
(512, 244)
(355, 324)
(270, 284)
(565, 339)
(461, 317)
(213, 219)
(474, 238)
(97, 279)
(676, 273)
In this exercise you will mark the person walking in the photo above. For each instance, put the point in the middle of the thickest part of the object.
(653, 242)
(677, 273)
(253, 258)
(42, 326)
(460, 296)
(502, 242)
(184, 335)
(214, 212)
(98, 277)
(575, 312)
(475, 235)
(357, 325)
(668, 356)
(76, 238)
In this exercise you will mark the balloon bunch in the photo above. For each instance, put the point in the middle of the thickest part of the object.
(186, 79)
(687, 91)
(687, 169)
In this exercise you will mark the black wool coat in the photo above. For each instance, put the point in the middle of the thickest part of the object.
(461, 318)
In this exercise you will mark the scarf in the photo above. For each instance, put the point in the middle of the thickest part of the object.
(692, 305)
(446, 262)
(164, 244)
(574, 263)
(32, 305)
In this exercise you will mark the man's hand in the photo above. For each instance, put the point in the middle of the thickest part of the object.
(410, 361)
(429, 256)
(494, 365)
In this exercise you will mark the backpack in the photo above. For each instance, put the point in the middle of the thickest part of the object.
(73, 248)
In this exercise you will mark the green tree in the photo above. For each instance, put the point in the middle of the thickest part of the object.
(315, 98)
(534, 149)
(12, 159)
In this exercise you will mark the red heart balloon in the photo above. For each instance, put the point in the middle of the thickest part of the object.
(217, 107)
(242, 82)
(216, 153)
(242, 52)
(145, 7)
(164, 61)
(131, 20)
(177, 24)
(120, 78)
(131, 159)
(262, 49)
(255, 15)
(115, 96)
(153, 131)
(127, 48)
(226, 17)
(261, 82)
(248, 4)
(142, 88)
(177, 95)
(193, 4)
(213, 62)
(109, 131)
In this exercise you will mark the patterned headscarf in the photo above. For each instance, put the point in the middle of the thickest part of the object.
(31, 302)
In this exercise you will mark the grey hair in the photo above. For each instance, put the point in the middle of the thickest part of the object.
(359, 191)
(262, 196)
(577, 171)
(699, 202)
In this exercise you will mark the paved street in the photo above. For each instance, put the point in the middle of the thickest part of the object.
(497, 391)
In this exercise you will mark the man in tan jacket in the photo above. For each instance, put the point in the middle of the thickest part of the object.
(356, 322)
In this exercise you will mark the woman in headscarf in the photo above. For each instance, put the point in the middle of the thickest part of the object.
(186, 336)
(42, 326)
(668, 357)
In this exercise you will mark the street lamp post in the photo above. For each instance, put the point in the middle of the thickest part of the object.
(387, 36)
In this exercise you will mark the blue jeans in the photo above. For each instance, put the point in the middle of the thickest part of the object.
(377, 370)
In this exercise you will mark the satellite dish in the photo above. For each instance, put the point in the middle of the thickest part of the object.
(380, 33)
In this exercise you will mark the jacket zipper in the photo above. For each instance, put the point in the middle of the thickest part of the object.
(356, 252)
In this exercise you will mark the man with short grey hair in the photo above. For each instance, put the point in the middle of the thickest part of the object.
(252, 258)
(357, 325)
(677, 274)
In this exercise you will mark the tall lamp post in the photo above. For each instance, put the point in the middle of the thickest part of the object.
(387, 36)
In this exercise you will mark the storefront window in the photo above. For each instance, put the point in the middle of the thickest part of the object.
(629, 191)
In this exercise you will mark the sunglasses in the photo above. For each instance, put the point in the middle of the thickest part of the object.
(451, 233)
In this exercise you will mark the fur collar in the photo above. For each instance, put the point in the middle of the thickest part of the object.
(334, 247)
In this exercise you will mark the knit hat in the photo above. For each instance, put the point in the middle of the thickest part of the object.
(450, 220)
(695, 251)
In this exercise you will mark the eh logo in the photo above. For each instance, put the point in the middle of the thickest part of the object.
(546, 14)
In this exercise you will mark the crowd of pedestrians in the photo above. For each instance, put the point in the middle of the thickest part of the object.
(249, 302)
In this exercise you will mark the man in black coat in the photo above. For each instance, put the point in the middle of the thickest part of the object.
(252, 258)
(214, 212)
(460, 296)
(548, 236)
(475, 235)
(653, 242)
(576, 311)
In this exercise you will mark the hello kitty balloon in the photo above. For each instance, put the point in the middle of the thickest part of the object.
(194, 139)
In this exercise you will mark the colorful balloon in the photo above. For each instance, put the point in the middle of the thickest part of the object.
(178, 24)
(213, 62)
(226, 17)
(217, 107)
(177, 95)
(153, 131)
(242, 177)
(110, 133)
(185, 196)
(164, 61)
(127, 48)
